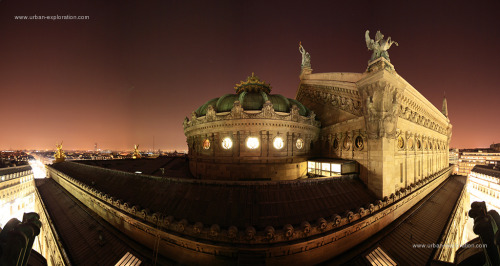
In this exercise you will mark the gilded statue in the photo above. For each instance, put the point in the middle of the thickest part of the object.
(379, 45)
(137, 153)
(59, 155)
(306, 57)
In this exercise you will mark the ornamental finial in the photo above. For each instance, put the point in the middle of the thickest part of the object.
(253, 83)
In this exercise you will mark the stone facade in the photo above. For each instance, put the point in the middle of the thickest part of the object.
(381, 121)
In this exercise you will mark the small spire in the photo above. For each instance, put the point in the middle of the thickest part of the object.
(444, 109)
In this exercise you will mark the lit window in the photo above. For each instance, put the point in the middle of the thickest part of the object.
(206, 144)
(299, 144)
(227, 143)
(278, 143)
(252, 143)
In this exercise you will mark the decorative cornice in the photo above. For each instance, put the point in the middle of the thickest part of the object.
(344, 99)
(237, 112)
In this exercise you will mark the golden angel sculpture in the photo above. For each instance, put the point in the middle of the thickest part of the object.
(137, 153)
(59, 155)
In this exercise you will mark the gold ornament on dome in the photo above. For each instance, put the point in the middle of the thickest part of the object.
(253, 84)
(347, 143)
(206, 144)
(359, 143)
(401, 143)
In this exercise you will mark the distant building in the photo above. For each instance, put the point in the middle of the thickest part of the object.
(485, 185)
(472, 157)
(495, 147)
(16, 192)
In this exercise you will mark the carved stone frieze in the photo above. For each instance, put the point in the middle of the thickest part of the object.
(343, 99)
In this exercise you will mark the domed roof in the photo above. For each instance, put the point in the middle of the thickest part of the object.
(252, 94)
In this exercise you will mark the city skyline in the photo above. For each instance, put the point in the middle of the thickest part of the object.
(131, 72)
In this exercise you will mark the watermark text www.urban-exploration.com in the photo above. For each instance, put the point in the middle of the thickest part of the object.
(455, 246)
(55, 17)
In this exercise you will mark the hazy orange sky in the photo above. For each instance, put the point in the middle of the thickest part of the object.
(133, 71)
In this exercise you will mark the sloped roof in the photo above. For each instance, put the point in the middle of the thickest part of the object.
(409, 240)
(227, 203)
(86, 240)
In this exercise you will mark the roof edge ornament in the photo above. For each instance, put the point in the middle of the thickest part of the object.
(252, 84)
(379, 46)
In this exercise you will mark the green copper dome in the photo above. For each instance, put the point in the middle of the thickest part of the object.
(252, 94)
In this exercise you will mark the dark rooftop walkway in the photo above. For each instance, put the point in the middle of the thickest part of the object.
(87, 239)
(424, 225)
(228, 203)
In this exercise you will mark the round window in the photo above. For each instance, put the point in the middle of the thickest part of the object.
(299, 144)
(206, 144)
(252, 143)
(278, 143)
(227, 143)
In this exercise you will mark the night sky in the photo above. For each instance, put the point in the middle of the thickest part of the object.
(133, 71)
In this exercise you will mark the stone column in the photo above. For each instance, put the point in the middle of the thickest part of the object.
(381, 91)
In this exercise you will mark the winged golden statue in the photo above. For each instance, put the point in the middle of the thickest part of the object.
(137, 153)
(59, 155)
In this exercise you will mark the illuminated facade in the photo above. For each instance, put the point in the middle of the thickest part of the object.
(469, 159)
(16, 192)
(485, 185)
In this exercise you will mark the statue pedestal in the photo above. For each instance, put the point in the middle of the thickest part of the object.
(380, 63)
(305, 71)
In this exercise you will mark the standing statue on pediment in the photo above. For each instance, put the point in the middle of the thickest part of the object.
(306, 57)
(379, 45)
